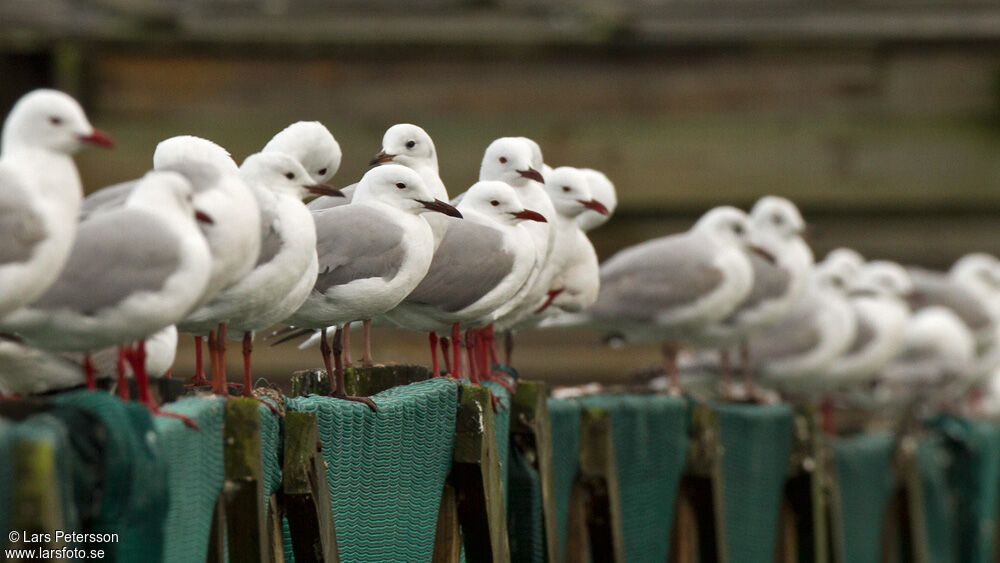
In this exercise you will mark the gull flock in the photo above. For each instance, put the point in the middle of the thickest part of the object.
(100, 287)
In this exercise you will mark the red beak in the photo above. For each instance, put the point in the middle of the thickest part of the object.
(97, 137)
(324, 189)
(381, 157)
(203, 217)
(595, 206)
(532, 174)
(529, 215)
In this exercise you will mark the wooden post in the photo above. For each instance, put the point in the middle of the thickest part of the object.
(36, 506)
(217, 536)
(703, 484)
(448, 536)
(304, 493)
(804, 513)
(914, 509)
(359, 381)
(532, 436)
(599, 473)
(475, 474)
(243, 490)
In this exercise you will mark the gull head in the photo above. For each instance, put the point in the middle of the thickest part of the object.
(730, 226)
(283, 174)
(407, 144)
(979, 272)
(498, 201)
(570, 193)
(844, 262)
(508, 159)
(166, 194)
(773, 214)
(537, 162)
(884, 278)
(174, 153)
(50, 120)
(603, 191)
(312, 144)
(400, 187)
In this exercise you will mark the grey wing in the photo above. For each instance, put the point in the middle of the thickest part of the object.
(769, 281)
(673, 273)
(935, 288)
(327, 202)
(115, 255)
(468, 264)
(354, 243)
(270, 236)
(793, 336)
(21, 227)
(106, 198)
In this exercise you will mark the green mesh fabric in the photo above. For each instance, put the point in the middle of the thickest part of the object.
(195, 474)
(286, 541)
(756, 443)
(134, 495)
(7, 433)
(270, 446)
(651, 442)
(974, 476)
(864, 474)
(564, 419)
(386, 470)
(526, 528)
(932, 461)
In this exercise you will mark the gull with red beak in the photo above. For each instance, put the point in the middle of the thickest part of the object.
(40, 191)
(372, 254)
(133, 271)
(480, 265)
(286, 266)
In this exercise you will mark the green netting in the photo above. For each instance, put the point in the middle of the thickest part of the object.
(270, 447)
(526, 528)
(932, 461)
(134, 493)
(974, 475)
(286, 541)
(564, 418)
(195, 475)
(386, 470)
(756, 443)
(651, 443)
(865, 482)
(6, 475)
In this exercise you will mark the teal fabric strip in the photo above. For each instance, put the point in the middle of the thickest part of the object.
(756, 444)
(564, 419)
(386, 470)
(866, 484)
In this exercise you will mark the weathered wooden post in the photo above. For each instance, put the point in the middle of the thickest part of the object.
(599, 475)
(700, 507)
(36, 506)
(532, 436)
(804, 523)
(475, 474)
(243, 490)
(304, 493)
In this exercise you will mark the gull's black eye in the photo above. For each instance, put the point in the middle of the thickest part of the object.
(494, 203)
(55, 120)
(411, 144)
(290, 175)
(322, 171)
(565, 189)
(401, 185)
(738, 229)
(778, 219)
(503, 160)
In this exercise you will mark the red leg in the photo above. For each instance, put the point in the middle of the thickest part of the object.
(550, 297)
(247, 351)
(199, 365)
(435, 368)
(218, 380)
(456, 358)
(123, 392)
(470, 335)
(88, 372)
(446, 354)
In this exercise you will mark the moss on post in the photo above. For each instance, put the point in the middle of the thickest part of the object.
(243, 490)
(36, 506)
(476, 476)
